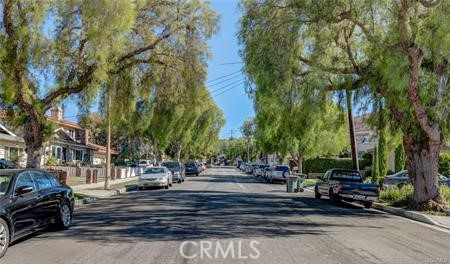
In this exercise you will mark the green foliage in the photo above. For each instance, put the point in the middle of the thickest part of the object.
(398, 197)
(444, 165)
(51, 161)
(375, 165)
(400, 158)
(320, 165)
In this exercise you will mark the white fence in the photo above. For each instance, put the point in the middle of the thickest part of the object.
(124, 172)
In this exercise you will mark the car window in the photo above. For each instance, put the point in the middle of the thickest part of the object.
(346, 176)
(5, 179)
(155, 170)
(41, 179)
(282, 168)
(25, 179)
(54, 182)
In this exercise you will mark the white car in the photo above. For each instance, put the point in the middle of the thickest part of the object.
(279, 173)
(155, 177)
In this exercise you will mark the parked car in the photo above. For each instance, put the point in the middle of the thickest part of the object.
(145, 163)
(248, 169)
(258, 172)
(279, 173)
(6, 164)
(342, 184)
(401, 179)
(155, 177)
(31, 200)
(192, 168)
(267, 172)
(177, 169)
(242, 166)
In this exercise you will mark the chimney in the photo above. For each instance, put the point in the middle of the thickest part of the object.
(57, 112)
(85, 138)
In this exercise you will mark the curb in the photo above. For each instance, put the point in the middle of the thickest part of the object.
(408, 214)
(91, 199)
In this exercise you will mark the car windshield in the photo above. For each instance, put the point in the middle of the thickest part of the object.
(171, 165)
(346, 176)
(5, 179)
(143, 162)
(282, 168)
(190, 164)
(154, 170)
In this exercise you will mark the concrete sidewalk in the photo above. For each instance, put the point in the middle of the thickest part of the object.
(93, 190)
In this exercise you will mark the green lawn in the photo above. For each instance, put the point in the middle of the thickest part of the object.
(309, 182)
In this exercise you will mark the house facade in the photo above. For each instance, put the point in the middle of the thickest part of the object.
(70, 143)
(12, 146)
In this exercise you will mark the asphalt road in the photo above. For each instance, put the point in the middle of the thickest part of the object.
(234, 218)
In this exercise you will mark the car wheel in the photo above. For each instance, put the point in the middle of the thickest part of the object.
(316, 193)
(170, 184)
(4, 237)
(333, 197)
(270, 180)
(64, 219)
(179, 181)
(196, 174)
(368, 205)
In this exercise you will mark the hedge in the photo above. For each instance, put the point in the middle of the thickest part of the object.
(444, 165)
(319, 165)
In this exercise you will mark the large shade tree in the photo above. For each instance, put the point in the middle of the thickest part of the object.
(54, 49)
(397, 50)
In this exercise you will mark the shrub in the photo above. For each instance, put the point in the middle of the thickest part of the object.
(398, 197)
(51, 161)
(445, 192)
(444, 165)
(319, 165)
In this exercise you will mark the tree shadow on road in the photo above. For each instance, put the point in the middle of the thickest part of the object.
(188, 215)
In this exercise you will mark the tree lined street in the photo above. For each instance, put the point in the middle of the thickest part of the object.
(225, 205)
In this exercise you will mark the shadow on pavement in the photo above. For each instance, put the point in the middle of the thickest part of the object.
(185, 215)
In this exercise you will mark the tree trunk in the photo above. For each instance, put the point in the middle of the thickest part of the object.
(300, 164)
(351, 128)
(33, 137)
(177, 152)
(422, 163)
(158, 156)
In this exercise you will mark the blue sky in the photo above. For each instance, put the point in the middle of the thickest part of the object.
(228, 92)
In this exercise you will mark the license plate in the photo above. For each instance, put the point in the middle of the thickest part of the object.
(360, 197)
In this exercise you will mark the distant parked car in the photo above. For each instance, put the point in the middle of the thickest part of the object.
(192, 168)
(342, 184)
(145, 163)
(155, 177)
(259, 171)
(177, 169)
(401, 179)
(30, 200)
(242, 166)
(279, 173)
(6, 164)
(248, 169)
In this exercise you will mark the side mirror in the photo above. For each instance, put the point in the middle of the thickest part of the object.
(23, 190)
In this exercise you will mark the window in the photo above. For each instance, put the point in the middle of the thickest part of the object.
(57, 152)
(4, 183)
(72, 133)
(78, 154)
(41, 180)
(12, 153)
(25, 179)
(53, 181)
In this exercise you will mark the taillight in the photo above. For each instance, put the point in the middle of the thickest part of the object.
(338, 188)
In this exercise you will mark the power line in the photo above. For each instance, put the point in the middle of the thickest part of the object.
(227, 90)
(228, 85)
(221, 77)
(224, 81)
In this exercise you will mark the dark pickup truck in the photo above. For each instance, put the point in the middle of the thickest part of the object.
(342, 184)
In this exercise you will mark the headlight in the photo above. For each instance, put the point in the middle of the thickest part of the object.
(162, 178)
(176, 173)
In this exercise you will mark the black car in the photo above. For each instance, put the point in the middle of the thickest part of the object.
(192, 168)
(31, 200)
(6, 164)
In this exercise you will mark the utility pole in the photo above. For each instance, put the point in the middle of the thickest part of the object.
(351, 128)
(231, 134)
(108, 139)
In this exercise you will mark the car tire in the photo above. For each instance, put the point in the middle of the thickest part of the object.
(367, 205)
(316, 193)
(170, 184)
(196, 174)
(333, 197)
(64, 217)
(179, 181)
(270, 180)
(4, 237)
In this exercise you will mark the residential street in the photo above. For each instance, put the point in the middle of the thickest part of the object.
(226, 206)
